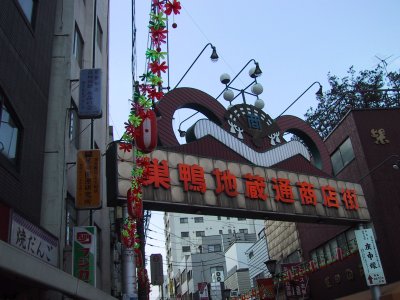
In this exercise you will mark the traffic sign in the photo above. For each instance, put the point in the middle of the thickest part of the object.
(371, 262)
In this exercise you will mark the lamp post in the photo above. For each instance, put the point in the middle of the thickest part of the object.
(318, 93)
(271, 266)
(214, 57)
(256, 88)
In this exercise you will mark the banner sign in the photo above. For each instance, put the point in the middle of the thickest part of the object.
(84, 254)
(203, 290)
(296, 285)
(33, 240)
(189, 184)
(370, 257)
(88, 180)
(90, 94)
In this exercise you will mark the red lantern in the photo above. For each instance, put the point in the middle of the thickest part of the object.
(146, 133)
(135, 205)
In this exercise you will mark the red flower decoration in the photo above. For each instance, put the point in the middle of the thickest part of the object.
(175, 7)
(158, 34)
(144, 88)
(153, 94)
(157, 68)
(158, 3)
(125, 147)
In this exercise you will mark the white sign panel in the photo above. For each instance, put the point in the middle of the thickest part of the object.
(370, 257)
(33, 240)
(90, 94)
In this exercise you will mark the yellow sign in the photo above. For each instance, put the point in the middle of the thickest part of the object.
(88, 180)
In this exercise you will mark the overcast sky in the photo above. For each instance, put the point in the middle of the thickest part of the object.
(295, 42)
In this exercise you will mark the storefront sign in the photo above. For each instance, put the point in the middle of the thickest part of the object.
(371, 262)
(90, 94)
(33, 240)
(84, 254)
(88, 180)
(189, 184)
(296, 285)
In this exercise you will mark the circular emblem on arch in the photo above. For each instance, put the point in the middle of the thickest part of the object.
(311, 139)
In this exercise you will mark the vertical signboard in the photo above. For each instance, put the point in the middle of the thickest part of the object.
(84, 254)
(88, 179)
(369, 255)
(156, 268)
(90, 94)
(203, 290)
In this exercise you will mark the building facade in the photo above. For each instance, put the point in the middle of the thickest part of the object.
(44, 45)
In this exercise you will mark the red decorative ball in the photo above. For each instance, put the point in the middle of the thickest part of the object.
(174, 25)
(158, 49)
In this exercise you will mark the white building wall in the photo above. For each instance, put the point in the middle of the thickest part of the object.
(236, 256)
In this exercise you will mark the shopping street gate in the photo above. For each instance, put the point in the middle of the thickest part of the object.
(178, 182)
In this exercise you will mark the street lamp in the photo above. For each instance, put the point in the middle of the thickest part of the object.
(271, 266)
(318, 93)
(256, 88)
(214, 57)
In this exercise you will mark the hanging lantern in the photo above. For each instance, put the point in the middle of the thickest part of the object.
(135, 204)
(146, 133)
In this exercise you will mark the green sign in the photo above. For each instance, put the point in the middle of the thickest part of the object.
(84, 254)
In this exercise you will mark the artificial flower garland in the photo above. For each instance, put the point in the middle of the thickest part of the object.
(148, 92)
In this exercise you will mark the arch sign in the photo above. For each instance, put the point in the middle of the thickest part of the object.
(228, 168)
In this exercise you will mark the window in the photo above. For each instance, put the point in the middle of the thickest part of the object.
(185, 234)
(185, 248)
(9, 132)
(200, 233)
(183, 220)
(219, 217)
(343, 243)
(243, 231)
(29, 9)
(99, 35)
(198, 220)
(73, 131)
(241, 219)
(228, 218)
(342, 156)
(214, 248)
(220, 231)
(78, 46)
(251, 254)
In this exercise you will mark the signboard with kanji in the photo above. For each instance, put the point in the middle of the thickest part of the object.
(296, 285)
(156, 269)
(90, 94)
(189, 184)
(370, 257)
(84, 254)
(33, 240)
(88, 180)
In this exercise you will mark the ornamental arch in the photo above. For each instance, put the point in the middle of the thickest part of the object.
(238, 164)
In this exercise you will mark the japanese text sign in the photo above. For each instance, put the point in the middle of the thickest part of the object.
(204, 184)
(370, 257)
(90, 94)
(88, 179)
(84, 254)
(33, 240)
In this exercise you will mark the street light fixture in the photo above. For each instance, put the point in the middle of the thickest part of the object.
(256, 88)
(271, 266)
(318, 93)
(214, 57)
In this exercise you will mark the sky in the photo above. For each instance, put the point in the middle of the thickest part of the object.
(295, 43)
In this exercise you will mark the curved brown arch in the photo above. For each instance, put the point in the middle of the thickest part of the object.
(185, 98)
(310, 137)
